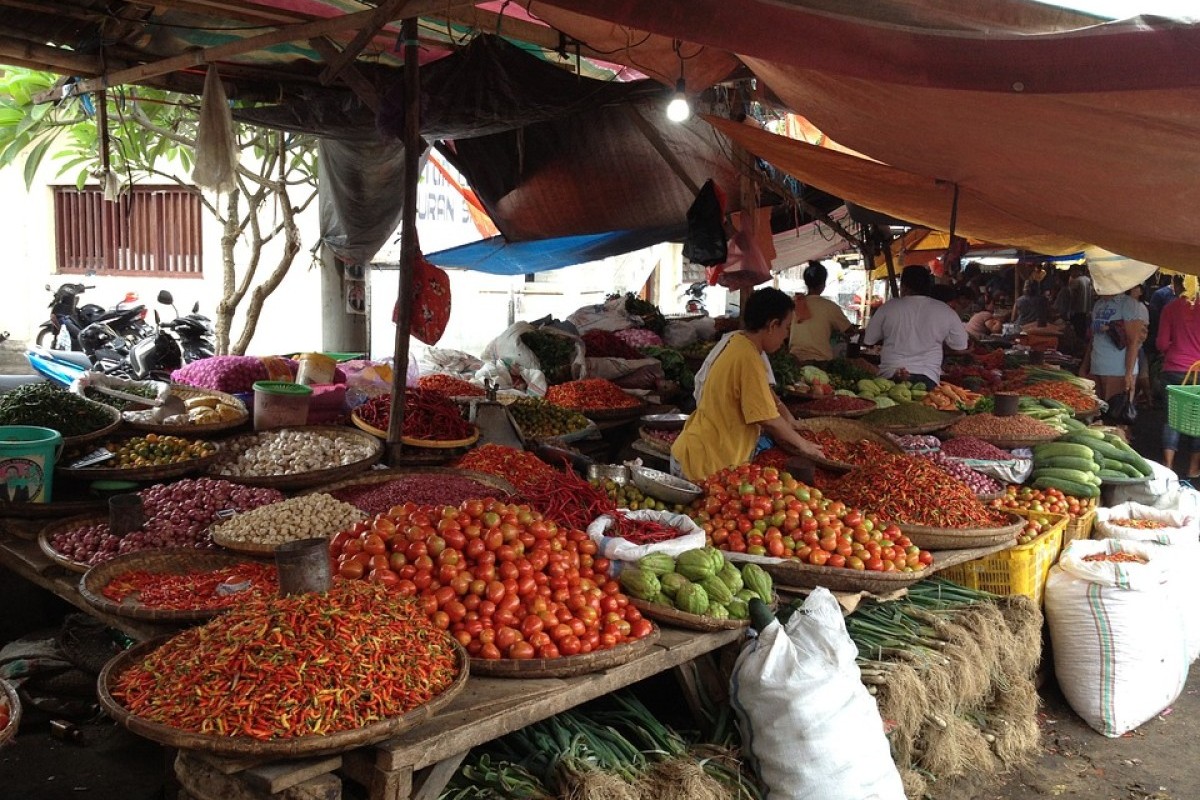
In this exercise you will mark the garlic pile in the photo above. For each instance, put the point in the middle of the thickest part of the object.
(289, 452)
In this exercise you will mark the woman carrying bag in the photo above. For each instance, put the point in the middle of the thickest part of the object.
(1178, 340)
(1119, 324)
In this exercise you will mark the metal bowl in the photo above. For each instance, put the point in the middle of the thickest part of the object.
(617, 473)
(663, 486)
(664, 422)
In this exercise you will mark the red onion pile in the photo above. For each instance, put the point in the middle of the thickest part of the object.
(979, 483)
(913, 443)
(978, 449)
(177, 515)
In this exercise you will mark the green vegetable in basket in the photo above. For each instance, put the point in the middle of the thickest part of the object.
(47, 406)
(640, 583)
(554, 352)
(759, 582)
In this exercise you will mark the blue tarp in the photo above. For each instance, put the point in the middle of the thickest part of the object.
(499, 257)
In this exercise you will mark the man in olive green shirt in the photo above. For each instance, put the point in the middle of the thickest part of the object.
(817, 318)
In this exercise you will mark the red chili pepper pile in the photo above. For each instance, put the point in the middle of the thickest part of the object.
(859, 453)
(567, 499)
(424, 490)
(645, 531)
(428, 415)
(449, 386)
(606, 344)
(914, 491)
(775, 457)
(305, 665)
(590, 394)
(195, 590)
(515, 466)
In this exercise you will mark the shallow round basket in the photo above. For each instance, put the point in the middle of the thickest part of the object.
(847, 431)
(617, 473)
(664, 422)
(443, 444)
(664, 486)
(195, 429)
(801, 411)
(681, 619)
(304, 480)
(917, 430)
(794, 573)
(246, 746)
(566, 666)
(256, 549)
(366, 426)
(47, 533)
(14, 712)
(174, 561)
(928, 538)
(1013, 443)
(1089, 415)
(84, 438)
(571, 436)
(610, 414)
(160, 472)
(388, 475)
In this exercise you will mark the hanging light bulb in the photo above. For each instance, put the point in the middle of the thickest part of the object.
(679, 109)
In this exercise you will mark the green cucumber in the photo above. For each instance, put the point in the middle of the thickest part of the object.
(1062, 448)
(1068, 462)
(1072, 475)
(1111, 474)
(1067, 487)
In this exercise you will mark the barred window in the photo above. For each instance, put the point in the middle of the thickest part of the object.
(149, 231)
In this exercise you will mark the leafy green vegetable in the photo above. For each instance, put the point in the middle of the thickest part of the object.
(652, 318)
(553, 352)
(674, 366)
(787, 369)
(47, 406)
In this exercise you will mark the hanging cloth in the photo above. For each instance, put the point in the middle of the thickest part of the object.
(216, 144)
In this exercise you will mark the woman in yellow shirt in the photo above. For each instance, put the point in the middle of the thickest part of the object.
(736, 404)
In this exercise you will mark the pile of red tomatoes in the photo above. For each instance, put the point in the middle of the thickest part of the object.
(506, 582)
(763, 511)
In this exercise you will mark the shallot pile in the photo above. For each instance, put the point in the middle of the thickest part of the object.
(981, 484)
(177, 515)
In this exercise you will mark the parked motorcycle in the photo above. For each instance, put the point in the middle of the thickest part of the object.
(168, 346)
(68, 318)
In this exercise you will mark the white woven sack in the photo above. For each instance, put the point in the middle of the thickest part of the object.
(1182, 537)
(798, 693)
(1118, 638)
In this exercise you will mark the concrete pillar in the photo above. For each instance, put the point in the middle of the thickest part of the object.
(341, 331)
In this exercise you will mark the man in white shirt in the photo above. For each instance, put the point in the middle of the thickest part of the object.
(914, 328)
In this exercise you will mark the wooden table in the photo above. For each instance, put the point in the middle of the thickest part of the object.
(419, 763)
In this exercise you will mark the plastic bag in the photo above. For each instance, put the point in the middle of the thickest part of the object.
(216, 146)
(1017, 470)
(800, 703)
(430, 302)
(453, 362)
(614, 548)
(91, 379)
(705, 242)
(1118, 640)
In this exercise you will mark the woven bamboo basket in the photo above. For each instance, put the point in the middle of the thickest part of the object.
(194, 429)
(916, 430)
(304, 480)
(160, 472)
(566, 666)
(174, 561)
(681, 619)
(930, 538)
(83, 438)
(848, 431)
(322, 744)
(387, 475)
(47, 533)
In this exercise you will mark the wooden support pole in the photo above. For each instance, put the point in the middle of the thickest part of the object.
(292, 33)
(889, 260)
(408, 234)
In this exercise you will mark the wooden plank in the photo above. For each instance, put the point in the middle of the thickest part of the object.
(41, 56)
(432, 781)
(460, 726)
(206, 783)
(384, 13)
(358, 83)
(274, 778)
(381, 784)
(292, 33)
(228, 765)
(520, 30)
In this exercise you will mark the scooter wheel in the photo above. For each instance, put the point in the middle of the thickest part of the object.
(48, 339)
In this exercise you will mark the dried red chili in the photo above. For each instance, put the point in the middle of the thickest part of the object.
(195, 590)
(428, 415)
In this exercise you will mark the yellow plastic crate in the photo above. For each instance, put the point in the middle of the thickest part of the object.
(1021, 569)
(1079, 528)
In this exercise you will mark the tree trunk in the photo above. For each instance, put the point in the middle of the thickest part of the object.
(291, 247)
(228, 306)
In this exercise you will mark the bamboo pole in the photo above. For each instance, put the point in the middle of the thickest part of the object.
(408, 234)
